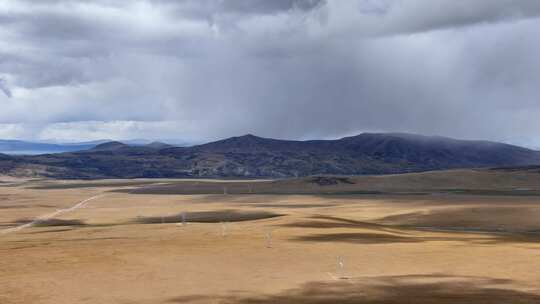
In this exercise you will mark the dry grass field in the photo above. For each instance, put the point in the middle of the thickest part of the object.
(447, 237)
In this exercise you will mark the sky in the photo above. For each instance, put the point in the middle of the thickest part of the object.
(199, 70)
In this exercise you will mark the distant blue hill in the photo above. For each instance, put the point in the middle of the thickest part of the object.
(19, 147)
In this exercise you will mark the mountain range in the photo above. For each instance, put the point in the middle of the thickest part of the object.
(251, 156)
(20, 147)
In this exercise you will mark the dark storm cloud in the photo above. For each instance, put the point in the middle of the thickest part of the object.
(204, 69)
(421, 15)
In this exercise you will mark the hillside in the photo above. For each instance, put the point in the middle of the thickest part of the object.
(109, 146)
(500, 182)
(253, 157)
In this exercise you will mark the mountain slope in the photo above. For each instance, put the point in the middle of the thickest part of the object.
(434, 152)
(252, 156)
(158, 145)
(109, 146)
(6, 164)
(362, 154)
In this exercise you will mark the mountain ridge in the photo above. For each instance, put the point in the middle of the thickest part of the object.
(111, 145)
(250, 156)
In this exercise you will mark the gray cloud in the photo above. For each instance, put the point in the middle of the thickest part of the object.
(204, 7)
(206, 69)
(421, 15)
(268, 7)
(4, 88)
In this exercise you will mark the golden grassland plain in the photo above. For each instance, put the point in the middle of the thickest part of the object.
(253, 242)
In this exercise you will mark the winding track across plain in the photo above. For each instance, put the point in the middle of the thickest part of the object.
(51, 215)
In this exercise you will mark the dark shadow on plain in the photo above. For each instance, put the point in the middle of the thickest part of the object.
(292, 206)
(382, 234)
(330, 180)
(358, 238)
(104, 184)
(209, 217)
(413, 289)
(245, 187)
(25, 206)
(488, 219)
(50, 231)
(381, 238)
(323, 221)
(53, 222)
